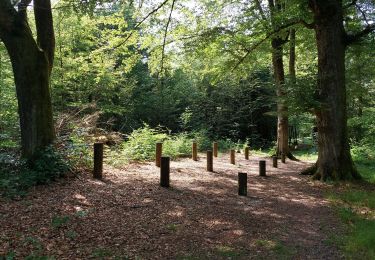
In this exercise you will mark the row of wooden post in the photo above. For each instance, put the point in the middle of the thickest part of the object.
(164, 164)
(242, 176)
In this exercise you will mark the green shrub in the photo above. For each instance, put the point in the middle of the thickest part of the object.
(364, 158)
(78, 151)
(205, 142)
(227, 144)
(141, 143)
(17, 176)
(364, 153)
(177, 146)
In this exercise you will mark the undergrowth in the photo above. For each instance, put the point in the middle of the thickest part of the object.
(355, 204)
(140, 145)
(17, 176)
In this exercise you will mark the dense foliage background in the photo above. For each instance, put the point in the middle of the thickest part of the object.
(114, 75)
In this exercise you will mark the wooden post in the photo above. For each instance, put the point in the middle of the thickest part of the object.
(215, 149)
(247, 153)
(98, 161)
(194, 152)
(232, 156)
(262, 168)
(274, 161)
(210, 161)
(242, 184)
(283, 157)
(159, 150)
(164, 171)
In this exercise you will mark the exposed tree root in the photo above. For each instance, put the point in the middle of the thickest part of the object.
(310, 170)
(318, 174)
(292, 157)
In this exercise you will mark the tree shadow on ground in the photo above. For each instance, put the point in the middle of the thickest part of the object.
(199, 217)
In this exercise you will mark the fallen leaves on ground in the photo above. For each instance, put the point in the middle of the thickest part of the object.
(128, 215)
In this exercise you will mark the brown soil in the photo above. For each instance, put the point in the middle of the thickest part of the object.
(129, 216)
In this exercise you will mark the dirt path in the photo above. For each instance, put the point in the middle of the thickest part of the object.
(199, 217)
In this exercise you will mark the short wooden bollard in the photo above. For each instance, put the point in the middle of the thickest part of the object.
(98, 161)
(262, 168)
(283, 157)
(164, 171)
(232, 156)
(242, 184)
(215, 149)
(247, 153)
(210, 161)
(274, 161)
(194, 152)
(159, 150)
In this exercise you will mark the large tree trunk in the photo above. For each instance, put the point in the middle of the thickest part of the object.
(334, 160)
(282, 109)
(277, 43)
(32, 65)
(31, 74)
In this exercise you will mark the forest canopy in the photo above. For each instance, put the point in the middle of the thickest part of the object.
(187, 129)
(247, 71)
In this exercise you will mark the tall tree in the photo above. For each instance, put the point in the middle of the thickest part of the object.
(277, 43)
(32, 62)
(334, 159)
(278, 40)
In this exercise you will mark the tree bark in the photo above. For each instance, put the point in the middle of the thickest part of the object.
(282, 109)
(292, 75)
(334, 158)
(277, 44)
(32, 66)
(292, 56)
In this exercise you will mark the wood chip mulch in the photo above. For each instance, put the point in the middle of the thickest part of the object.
(129, 216)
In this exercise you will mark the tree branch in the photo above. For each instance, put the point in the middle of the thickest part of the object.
(44, 28)
(165, 37)
(256, 45)
(7, 17)
(353, 38)
(140, 23)
(352, 3)
(201, 36)
(307, 25)
(363, 13)
(260, 9)
(22, 8)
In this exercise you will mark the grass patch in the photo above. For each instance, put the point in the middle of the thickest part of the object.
(359, 241)
(227, 252)
(101, 253)
(172, 227)
(189, 257)
(355, 205)
(281, 251)
(71, 234)
(309, 155)
(367, 170)
(355, 198)
(59, 221)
